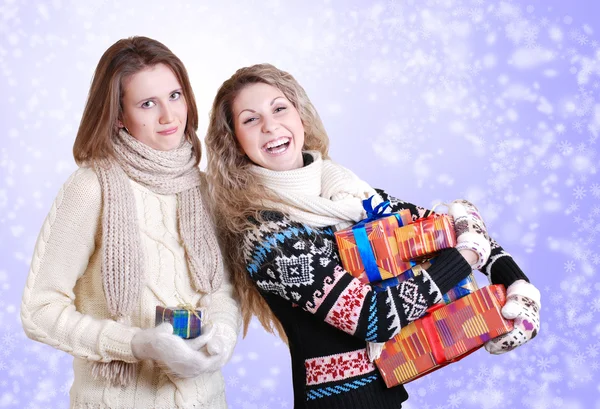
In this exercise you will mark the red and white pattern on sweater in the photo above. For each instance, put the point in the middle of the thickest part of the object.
(337, 367)
(328, 284)
(346, 311)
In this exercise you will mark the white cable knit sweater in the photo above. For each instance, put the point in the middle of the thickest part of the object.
(64, 306)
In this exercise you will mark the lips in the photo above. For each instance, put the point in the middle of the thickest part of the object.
(169, 131)
(278, 145)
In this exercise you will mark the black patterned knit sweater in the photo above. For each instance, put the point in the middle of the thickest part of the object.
(328, 315)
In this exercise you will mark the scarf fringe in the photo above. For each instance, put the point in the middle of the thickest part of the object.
(118, 373)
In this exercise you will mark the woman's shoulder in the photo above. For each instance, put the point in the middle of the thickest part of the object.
(82, 188)
(277, 227)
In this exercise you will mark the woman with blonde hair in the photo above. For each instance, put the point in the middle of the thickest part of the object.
(281, 198)
(129, 231)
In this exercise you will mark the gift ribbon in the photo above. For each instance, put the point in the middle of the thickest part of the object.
(432, 335)
(188, 307)
(359, 230)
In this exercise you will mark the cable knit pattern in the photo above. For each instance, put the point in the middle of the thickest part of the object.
(64, 303)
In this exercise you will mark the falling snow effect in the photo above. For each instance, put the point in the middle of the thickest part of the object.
(494, 101)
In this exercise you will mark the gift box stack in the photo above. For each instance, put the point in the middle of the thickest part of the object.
(369, 250)
(386, 249)
(446, 334)
(186, 321)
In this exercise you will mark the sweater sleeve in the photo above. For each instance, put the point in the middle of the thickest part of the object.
(301, 265)
(61, 256)
(500, 268)
(224, 309)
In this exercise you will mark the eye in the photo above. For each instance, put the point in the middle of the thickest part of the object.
(175, 95)
(248, 120)
(148, 104)
(279, 109)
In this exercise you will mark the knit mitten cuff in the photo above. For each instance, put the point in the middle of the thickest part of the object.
(448, 269)
(524, 289)
(470, 231)
(478, 244)
(504, 270)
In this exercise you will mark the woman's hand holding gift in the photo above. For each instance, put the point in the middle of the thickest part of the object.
(182, 358)
(523, 306)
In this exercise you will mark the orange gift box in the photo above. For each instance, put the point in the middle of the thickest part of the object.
(446, 334)
(377, 239)
(425, 237)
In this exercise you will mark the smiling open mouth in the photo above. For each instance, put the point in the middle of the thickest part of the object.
(279, 145)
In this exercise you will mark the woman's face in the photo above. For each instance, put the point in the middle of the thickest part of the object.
(154, 108)
(268, 127)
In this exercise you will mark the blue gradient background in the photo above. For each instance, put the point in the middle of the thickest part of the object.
(494, 101)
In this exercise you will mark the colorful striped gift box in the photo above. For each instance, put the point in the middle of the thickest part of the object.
(425, 237)
(186, 322)
(446, 334)
(375, 240)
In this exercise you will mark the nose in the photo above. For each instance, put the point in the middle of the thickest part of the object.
(269, 124)
(166, 115)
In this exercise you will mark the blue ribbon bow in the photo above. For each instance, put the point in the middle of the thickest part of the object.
(367, 255)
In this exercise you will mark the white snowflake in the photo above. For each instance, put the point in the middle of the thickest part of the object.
(569, 266)
(579, 192)
(565, 147)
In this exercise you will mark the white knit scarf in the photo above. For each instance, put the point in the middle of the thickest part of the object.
(166, 173)
(319, 194)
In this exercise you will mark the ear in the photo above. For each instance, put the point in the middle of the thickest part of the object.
(120, 124)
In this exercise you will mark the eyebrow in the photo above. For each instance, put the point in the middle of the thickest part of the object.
(253, 111)
(149, 98)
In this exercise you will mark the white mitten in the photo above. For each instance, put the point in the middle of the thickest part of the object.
(471, 233)
(523, 306)
(179, 357)
(221, 344)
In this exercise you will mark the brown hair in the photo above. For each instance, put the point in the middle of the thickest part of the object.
(235, 192)
(103, 108)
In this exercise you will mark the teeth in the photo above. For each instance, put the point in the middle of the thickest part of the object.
(276, 143)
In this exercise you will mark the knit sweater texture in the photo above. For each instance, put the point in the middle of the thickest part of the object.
(328, 315)
(64, 304)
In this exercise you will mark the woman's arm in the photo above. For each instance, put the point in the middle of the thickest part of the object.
(62, 253)
(500, 267)
(301, 265)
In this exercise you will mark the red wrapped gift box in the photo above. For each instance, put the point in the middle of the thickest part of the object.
(381, 245)
(425, 237)
(446, 334)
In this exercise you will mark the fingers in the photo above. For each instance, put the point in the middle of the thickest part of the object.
(200, 341)
(215, 346)
(206, 363)
(501, 344)
(194, 364)
(512, 309)
(165, 327)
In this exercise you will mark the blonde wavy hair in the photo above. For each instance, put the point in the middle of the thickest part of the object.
(237, 195)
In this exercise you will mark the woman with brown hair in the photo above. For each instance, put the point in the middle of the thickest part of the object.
(282, 199)
(128, 231)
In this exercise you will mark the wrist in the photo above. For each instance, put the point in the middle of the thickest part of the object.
(469, 255)
(525, 289)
